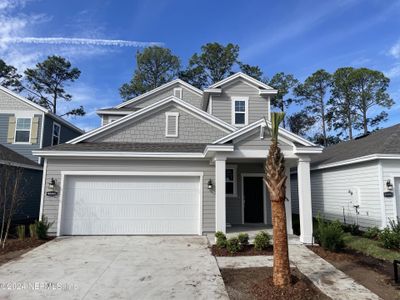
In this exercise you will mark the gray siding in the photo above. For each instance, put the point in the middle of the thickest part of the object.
(31, 186)
(152, 129)
(330, 193)
(187, 95)
(55, 166)
(106, 118)
(9, 103)
(391, 171)
(222, 104)
(234, 203)
(23, 149)
(66, 134)
(252, 141)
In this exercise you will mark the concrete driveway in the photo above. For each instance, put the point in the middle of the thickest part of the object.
(115, 267)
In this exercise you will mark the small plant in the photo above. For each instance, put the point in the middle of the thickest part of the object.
(233, 245)
(262, 241)
(372, 233)
(330, 235)
(33, 231)
(353, 229)
(42, 227)
(389, 239)
(243, 239)
(395, 226)
(221, 239)
(21, 232)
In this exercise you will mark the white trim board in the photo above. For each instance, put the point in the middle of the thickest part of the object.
(64, 174)
(192, 109)
(255, 82)
(160, 88)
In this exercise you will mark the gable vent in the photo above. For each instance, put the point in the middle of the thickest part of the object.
(171, 124)
(178, 93)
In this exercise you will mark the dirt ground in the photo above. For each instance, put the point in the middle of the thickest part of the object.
(246, 251)
(256, 283)
(374, 274)
(14, 248)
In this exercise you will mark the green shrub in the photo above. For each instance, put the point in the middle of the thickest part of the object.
(21, 232)
(354, 229)
(262, 241)
(233, 245)
(395, 226)
(221, 239)
(330, 235)
(372, 233)
(389, 238)
(42, 227)
(243, 239)
(33, 231)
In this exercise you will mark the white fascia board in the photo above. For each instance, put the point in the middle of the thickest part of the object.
(116, 154)
(217, 148)
(113, 112)
(308, 150)
(160, 88)
(268, 92)
(356, 160)
(239, 132)
(244, 76)
(213, 91)
(150, 108)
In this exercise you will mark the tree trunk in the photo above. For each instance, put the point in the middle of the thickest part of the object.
(350, 123)
(323, 120)
(365, 122)
(281, 254)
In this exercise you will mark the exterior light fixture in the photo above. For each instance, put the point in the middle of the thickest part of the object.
(389, 185)
(210, 184)
(51, 188)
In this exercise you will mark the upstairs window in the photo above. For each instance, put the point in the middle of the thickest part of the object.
(23, 130)
(56, 134)
(239, 111)
(171, 126)
(178, 93)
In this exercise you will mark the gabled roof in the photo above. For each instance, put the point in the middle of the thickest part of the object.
(41, 108)
(8, 156)
(160, 88)
(382, 142)
(295, 139)
(153, 107)
(248, 78)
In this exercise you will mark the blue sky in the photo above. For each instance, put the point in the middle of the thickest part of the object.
(297, 37)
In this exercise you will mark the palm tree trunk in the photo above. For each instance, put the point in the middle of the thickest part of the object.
(281, 254)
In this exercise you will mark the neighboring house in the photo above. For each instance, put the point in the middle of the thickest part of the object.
(26, 126)
(175, 160)
(357, 180)
(30, 183)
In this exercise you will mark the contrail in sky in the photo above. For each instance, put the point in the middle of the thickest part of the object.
(78, 41)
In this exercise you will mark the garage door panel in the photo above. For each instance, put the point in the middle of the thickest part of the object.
(131, 205)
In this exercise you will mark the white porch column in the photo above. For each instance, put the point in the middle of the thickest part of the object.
(220, 200)
(305, 205)
(288, 203)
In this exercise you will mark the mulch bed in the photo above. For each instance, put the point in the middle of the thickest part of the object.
(256, 283)
(15, 248)
(374, 274)
(246, 251)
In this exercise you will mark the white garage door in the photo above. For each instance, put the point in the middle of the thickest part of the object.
(130, 205)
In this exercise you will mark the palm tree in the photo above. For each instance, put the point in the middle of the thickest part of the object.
(275, 180)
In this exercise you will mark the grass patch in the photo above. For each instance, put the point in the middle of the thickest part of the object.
(370, 247)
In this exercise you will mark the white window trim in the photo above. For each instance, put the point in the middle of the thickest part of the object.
(180, 93)
(246, 112)
(171, 114)
(234, 168)
(15, 132)
(59, 133)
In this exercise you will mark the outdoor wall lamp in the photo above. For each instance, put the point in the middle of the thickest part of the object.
(210, 184)
(52, 185)
(389, 185)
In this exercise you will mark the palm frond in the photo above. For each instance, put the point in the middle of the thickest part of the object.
(276, 120)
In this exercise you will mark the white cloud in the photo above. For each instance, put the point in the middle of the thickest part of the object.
(395, 50)
(393, 71)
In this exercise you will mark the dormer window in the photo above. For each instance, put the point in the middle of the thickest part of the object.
(171, 126)
(178, 93)
(240, 111)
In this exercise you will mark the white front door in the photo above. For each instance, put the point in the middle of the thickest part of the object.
(97, 205)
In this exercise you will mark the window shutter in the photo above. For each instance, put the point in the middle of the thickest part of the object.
(11, 130)
(34, 130)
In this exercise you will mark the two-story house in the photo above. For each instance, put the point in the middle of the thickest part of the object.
(24, 127)
(175, 160)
